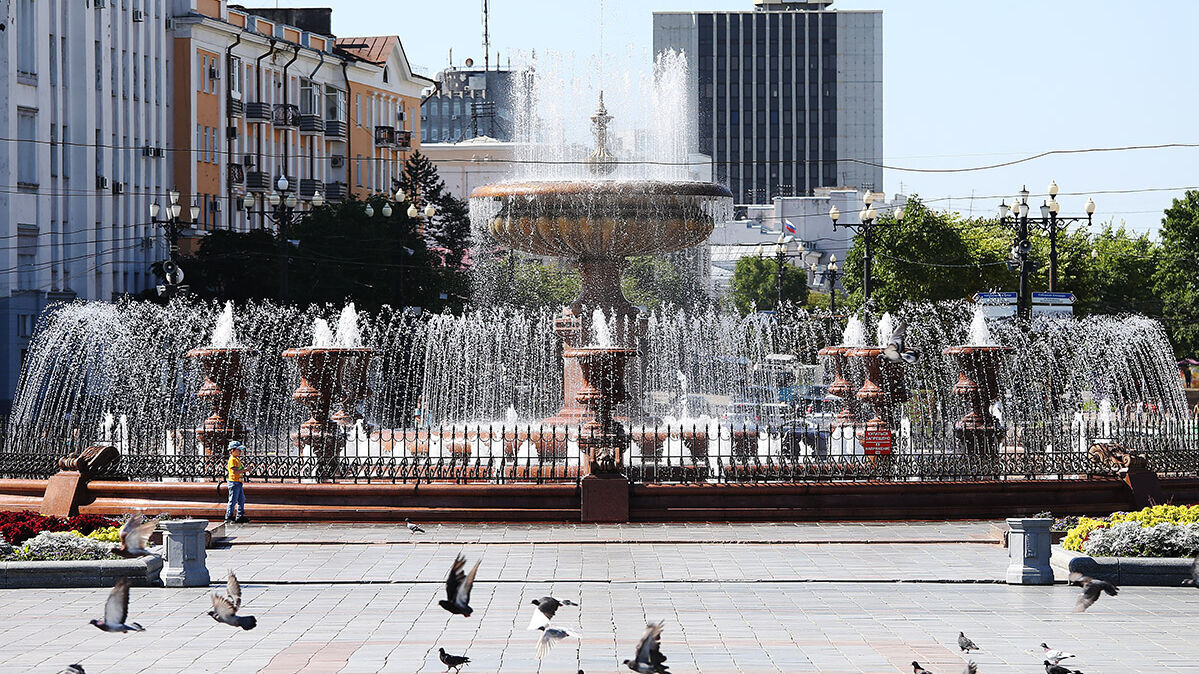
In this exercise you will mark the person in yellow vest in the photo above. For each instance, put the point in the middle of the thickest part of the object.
(236, 473)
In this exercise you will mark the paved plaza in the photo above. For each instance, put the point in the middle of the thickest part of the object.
(735, 598)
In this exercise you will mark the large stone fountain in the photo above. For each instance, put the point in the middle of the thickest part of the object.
(599, 223)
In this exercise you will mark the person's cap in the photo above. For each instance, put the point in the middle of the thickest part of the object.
(234, 444)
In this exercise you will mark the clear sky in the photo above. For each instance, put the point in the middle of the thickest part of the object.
(966, 83)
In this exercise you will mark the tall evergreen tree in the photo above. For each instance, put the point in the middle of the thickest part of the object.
(1177, 279)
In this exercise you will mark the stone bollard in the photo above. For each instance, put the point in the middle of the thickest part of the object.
(1028, 551)
(185, 555)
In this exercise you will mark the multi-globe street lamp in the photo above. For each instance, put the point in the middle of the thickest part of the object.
(173, 227)
(282, 208)
(829, 276)
(868, 222)
(1022, 247)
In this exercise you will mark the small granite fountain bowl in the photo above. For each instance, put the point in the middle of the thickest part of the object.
(222, 368)
(601, 219)
(978, 368)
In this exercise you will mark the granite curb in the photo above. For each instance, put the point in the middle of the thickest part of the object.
(1155, 571)
(141, 572)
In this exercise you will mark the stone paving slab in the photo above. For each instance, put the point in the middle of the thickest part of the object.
(665, 562)
(761, 532)
(710, 627)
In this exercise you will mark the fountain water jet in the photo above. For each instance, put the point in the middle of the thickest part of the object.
(222, 364)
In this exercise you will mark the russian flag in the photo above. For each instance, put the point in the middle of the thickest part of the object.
(790, 227)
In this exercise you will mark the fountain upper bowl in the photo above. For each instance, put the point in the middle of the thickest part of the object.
(601, 219)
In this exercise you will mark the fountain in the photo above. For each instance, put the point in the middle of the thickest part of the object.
(222, 363)
(884, 389)
(598, 223)
(979, 430)
(333, 369)
(852, 338)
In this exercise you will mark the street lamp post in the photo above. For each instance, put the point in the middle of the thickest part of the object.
(780, 259)
(1022, 247)
(173, 227)
(868, 217)
(830, 276)
(281, 208)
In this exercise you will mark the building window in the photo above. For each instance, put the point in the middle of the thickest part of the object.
(234, 77)
(27, 38)
(24, 325)
(358, 109)
(335, 104)
(27, 257)
(386, 74)
(27, 148)
(310, 97)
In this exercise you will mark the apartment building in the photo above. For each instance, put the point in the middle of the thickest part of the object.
(113, 104)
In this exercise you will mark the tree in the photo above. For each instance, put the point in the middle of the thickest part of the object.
(651, 281)
(755, 284)
(929, 255)
(1177, 279)
(448, 232)
(1113, 272)
(237, 266)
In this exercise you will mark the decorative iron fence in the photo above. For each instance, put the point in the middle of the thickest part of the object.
(805, 449)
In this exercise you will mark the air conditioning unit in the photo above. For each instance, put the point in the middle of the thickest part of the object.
(214, 74)
(101, 4)
(148, 151)
(138, 16)
(159, 152)
(231, 132)
(247, 160)
(118, 188)
(337, 161)
(101, 183)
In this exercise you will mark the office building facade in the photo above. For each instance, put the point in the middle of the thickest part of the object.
(788, 95)
(469, 103)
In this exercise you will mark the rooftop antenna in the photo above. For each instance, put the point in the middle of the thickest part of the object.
(486, 38)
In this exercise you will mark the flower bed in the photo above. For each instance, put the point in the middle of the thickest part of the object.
(1159, 531)
(16, 527)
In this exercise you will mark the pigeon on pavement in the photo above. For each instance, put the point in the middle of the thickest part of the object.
(116, 610)
(73, 669)
(413, 528)
(1091, 590)
(551, 636)
(1051, 668)
(917, 669)
(1194, 579)
(1054, 655)
(453, 662)
(457, 588)
(648, 658)
(134, 533)
(546, 608)
(224, 608)
(965, 643)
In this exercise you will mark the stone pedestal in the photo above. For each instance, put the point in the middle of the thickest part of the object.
(1028, 547)
(186, 559)
(63, 491)
(605, 498)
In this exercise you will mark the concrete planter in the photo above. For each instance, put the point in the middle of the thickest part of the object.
(1158, 571)
(141, 572)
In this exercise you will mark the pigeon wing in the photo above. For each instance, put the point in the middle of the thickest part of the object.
(134, 521)
(538, 620)
(223, 607)
(139, 536)
(549, 606)
(647, 648)
(970, 668)
(549, 637)
(466, 585)
(116, 609)
(233, 590)
(1090, 594)
(455, 577)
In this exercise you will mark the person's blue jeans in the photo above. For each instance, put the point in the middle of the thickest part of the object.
(237, 497)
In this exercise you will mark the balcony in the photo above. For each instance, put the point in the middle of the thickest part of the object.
(308, 187)
(235, 108)
(385, 136)
(335, 128)
(258, 113)
(258, 181)
(312, 125)
(403, 140)
(287, 116)
(237, 174)
(335, 191)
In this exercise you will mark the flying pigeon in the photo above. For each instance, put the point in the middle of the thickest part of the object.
(134, 533)
(116, 610)
(1091, 589)
(413, 528)
(895, 350)
(1054, 655)
(648, 658)
(454, 662)
(917, 669)
(1051, 668)
(965, 643)
(546, 608)
(551, 636)
(970, 668)
(224, 608)
(457, 588)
